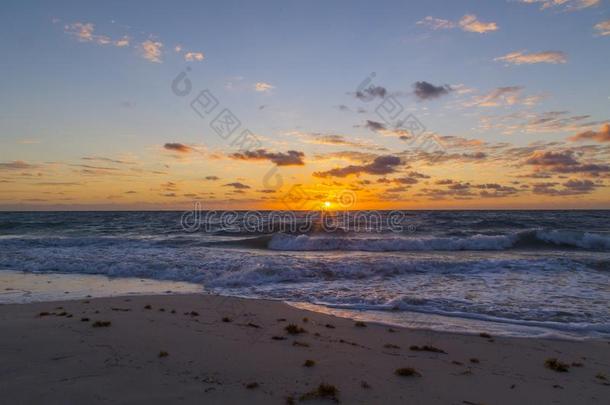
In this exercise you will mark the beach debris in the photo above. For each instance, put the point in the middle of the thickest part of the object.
(577, 364)
(161, 309)
(281, 319)
(407, 372)
(485, 335)
(557, 386)
(294, 329)
(64, 313)
(121, 309)
(556, 365)
(426, 348)
(306, 319)
(193, 313)
(252, 385)
(601, 376)
(289, 400)
(44, 313)
(457, 363)
(163, 353)
(84, 319)
(253, 325)
(147, 306)
(365, 385)
(309, 363)
(324, 391)
(278, 338)
(512, 387)
(391, 346)
(300, 344)
(101, 324)
(330, 326)
(474, 360)
(360, 324)
(390, 330)
(226, 319)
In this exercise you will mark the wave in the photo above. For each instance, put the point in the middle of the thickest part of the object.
(523, 240)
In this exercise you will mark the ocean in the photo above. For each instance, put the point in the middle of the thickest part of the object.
(520, 273)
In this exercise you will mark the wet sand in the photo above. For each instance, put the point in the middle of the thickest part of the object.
(216, 350)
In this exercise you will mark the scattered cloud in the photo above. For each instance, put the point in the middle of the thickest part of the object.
(85, 32)
(504, 96)
(437, 23)
(212, 178)
(237, 185)
(523, 58)
(565, 5)
(371, 93)
(289, 158)
(17, 165)
(263, 87)
(570, 187)
(426, 91)
(603, 135)
(470, 23)
(152, 50)
(193, 56)
(178, 147)
(603, 28)
(381, 165)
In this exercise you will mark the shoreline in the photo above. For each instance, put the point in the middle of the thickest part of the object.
(221, 349)
(52, 287)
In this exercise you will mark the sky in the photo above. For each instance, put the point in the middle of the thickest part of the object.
(453, 104)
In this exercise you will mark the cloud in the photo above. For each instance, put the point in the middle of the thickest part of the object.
(425, 91)
(289, 158)
(17, 165)
(504, 96)
(193, 56)
(237, 185)
(178, 147)
(371, 92)
(107, 160)
(523, 58)
(263, 87)
(212, 178)
(333, 140)
(564, 162)
(603, 135)
(374, 125)
(84, 32)
(602, 28)
(566, 5)
(470, 23)
(570, 187)
(381, 165)
(152, 50)
(436, 23)
(122, 42)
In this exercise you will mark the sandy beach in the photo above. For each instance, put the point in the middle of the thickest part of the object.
(210, 349)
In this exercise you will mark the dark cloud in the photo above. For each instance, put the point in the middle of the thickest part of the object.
(212, 178)
(564, 162)
(289, 158)
(550, 158)
(17, 165)
(107, 160)
(374, 125)
(381, 165)
(426, 91)
(371, 92)
(178, 147)
(603, 135)
(237, 185)
(570, 187)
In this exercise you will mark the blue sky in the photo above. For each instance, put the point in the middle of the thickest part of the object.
(70, 92)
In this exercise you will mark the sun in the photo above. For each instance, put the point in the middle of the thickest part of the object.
(327, 204)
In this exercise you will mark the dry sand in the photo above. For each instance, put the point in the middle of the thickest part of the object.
(191, 355)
